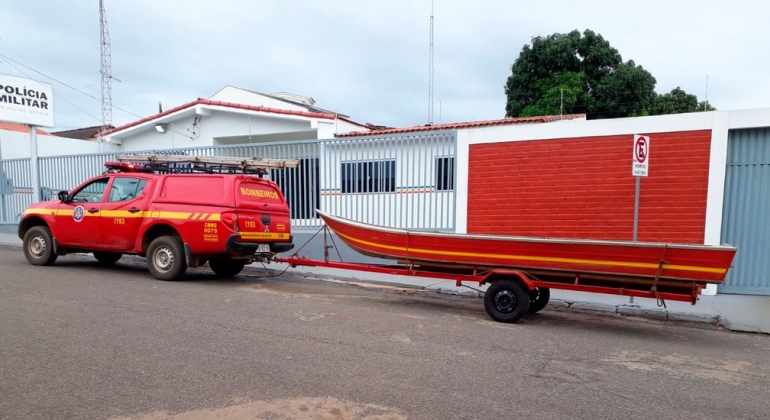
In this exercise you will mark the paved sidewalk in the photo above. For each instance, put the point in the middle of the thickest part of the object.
(734, 312)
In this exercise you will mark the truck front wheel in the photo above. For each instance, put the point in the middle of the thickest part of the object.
(166, 259)
(38, 246)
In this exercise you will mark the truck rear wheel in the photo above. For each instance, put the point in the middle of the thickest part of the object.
(107, 258)
(166, 259)
(227, 267)
(506, 301)
(38, 246)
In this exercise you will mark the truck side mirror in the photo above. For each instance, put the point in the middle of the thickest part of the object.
(64, 196)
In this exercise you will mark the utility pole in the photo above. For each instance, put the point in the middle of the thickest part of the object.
(106, 72)
(561, 107)
(430, 70)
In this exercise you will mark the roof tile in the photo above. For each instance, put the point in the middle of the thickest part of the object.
(470, 124)
(201, 101)
(21, 128)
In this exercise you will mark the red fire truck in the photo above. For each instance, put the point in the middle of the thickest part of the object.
(177, 211)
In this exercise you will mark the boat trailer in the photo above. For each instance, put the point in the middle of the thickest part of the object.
(514, 293)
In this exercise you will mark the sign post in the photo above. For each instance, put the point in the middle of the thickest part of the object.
(3, 211)
(27, 102)
(639, 168)
(640, 165)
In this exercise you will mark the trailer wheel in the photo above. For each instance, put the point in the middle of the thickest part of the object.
(538, 299)
(227, 267)
(107, 258)
(506, 301)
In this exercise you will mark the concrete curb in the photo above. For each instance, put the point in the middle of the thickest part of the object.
(637, 311)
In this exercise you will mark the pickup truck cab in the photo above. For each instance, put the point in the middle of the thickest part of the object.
(176, 218)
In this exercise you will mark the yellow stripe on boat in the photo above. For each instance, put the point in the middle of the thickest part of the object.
(540, 259)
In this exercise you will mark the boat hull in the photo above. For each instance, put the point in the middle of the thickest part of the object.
(665, 261)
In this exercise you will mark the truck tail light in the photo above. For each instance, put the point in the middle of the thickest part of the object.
(230, 220)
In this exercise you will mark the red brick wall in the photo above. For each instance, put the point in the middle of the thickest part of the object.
(583, 188)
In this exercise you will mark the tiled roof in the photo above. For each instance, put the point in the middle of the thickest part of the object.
(309, 107)
(347, 120)
(20, 128)
(201, 101)
(470, 124)
(84, 133)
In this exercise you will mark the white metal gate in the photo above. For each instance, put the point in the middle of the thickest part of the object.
(404, 181)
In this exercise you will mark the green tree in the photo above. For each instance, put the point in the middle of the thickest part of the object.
(583, 73)
(556, 93)
(678, 101)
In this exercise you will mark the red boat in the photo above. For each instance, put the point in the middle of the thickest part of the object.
(704, 263)
(519, 267)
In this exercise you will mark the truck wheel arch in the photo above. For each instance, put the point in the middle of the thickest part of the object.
(29, 223)
(155, 231)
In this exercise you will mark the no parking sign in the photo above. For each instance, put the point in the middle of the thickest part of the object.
(641, 158)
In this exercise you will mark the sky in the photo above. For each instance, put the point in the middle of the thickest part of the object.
(367, 59)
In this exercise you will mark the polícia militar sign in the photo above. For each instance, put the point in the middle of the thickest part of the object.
(25, 101)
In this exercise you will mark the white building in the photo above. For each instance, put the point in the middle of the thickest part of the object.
(232, 116)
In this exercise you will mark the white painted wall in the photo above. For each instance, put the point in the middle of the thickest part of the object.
(15, 145)
(240, 96)
(218, 124)
(344, 127)
(326, 128)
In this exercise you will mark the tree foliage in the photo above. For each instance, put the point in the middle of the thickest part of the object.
(583, 73)
(678, 101)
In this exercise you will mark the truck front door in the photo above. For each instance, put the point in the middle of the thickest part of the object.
(77, 221)
(123, 212)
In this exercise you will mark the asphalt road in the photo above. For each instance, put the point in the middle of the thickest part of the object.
(81, 341)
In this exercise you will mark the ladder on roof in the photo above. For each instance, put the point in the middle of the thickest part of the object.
(209, 164)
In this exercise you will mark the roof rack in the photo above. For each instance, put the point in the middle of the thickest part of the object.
(207, 164)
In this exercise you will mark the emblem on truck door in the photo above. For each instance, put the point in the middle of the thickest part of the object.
(78, 213)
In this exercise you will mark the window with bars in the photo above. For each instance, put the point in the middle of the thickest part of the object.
(369, 177)
(445, 179)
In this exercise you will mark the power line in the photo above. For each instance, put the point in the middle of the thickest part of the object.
(66, 85)
(412, 94)
(455, 96)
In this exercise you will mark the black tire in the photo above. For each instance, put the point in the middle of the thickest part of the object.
(107, 258)
(38, 246)
(166, 259)
(506, 301)
(227, 267)
(538, 299)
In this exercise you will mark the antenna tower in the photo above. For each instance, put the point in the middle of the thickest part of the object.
(106, 72)
(430, 70)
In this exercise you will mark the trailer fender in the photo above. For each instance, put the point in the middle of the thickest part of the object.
(514, 275)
